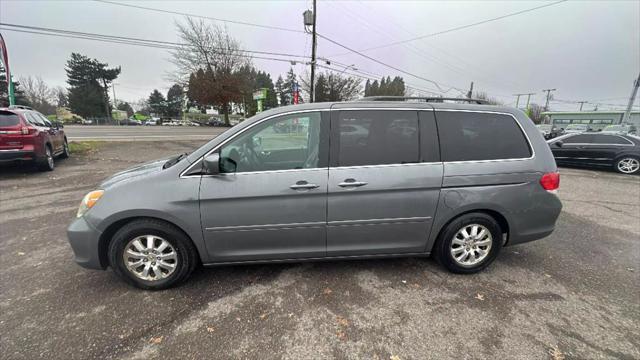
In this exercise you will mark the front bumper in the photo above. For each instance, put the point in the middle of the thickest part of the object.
(85, 242)
(15, 155)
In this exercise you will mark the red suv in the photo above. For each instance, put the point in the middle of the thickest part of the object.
(26, 135)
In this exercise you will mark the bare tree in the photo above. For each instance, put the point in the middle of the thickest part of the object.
(480, 95)
(212, 61)
(39, 94)
(535, 113)
(206, 46)
(60, 95)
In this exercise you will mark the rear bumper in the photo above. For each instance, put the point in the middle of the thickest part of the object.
(537, 222)
(84, 240)
(15, 155)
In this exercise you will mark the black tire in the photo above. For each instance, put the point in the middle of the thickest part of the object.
(187, 254)
(617, 165)
(65, 150)
(46, 163)
(442, 248)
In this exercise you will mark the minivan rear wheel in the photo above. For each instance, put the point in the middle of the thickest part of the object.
(152, 254)
(469, 243)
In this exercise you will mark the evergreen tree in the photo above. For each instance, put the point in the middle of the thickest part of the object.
(287, 87)
(157, 103)
(124, 106)
(175, 100)
(280, 90)
(89, 82)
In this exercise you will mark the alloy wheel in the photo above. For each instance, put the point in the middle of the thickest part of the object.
(49, 157)
(150, 258)
(471, 245)
(628, 165)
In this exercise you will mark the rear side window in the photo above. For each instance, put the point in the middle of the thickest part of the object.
(610, 139)
(377, 137)
(34, 119)
(8, 119)
(470, 136)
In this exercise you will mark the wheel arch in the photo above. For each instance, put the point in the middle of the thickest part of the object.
(495, 214)
(107, 235)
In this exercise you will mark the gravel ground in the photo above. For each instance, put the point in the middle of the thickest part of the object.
(575, 294)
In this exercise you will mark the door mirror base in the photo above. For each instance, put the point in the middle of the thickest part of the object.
(211, 164)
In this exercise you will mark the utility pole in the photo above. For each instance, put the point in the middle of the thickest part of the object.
(546, 104)
(310, 20)
(581, 103)
(634, 92)
(470, 93)
(518, 98)
(5, 60)
(115, 103)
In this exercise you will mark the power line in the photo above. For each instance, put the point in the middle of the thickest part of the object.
(463, 26)
(202, 16)
(124, 39)
(391, 66)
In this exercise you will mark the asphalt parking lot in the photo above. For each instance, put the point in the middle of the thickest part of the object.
(573, 295)
(140, 133)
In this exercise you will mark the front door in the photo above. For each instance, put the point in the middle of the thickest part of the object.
(384, 182)
(269, 200)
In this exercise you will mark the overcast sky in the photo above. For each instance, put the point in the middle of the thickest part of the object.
(587, 50)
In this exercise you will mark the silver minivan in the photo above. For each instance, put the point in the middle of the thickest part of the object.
(350, 180)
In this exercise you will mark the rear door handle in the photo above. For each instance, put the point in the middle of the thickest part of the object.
(303, 185)
(352, 183)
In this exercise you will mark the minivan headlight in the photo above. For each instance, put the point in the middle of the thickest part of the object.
(88, 201)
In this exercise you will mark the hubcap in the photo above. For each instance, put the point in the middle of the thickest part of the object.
(628, 165)
(471, 244)
(150, 258)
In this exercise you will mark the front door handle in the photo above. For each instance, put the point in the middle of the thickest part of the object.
(352, 183)
(303, 185)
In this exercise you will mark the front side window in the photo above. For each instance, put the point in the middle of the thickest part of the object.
(283, 143)
(470, 136)
(377, 137)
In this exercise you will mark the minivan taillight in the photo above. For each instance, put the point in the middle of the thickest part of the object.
(550, 181)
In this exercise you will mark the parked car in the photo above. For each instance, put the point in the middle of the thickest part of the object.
(151, 122)
(620, 152)
(80, 121)
(576, 128)
(171, 123)
(130, 122)
(623, 129)
(217, 123)
(28, 136)
(459, 183)
(549, 131)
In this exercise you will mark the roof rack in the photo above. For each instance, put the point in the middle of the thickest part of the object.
(23, 107)
(425, 99)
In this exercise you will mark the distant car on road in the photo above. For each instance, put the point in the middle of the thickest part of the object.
(217, 122)
(28, 136)
(171, 123)
(576, 128)
(622, 152)
(130, 122)
(549, 131)
(620, 129)
(150, 122)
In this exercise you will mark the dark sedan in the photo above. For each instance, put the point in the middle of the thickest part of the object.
(622, 152)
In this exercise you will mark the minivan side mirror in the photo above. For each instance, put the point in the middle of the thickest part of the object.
(211, 164)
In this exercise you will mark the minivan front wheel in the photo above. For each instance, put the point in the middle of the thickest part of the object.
(152, 254)
(469, 244)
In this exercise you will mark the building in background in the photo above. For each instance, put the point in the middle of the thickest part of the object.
(595, 119)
